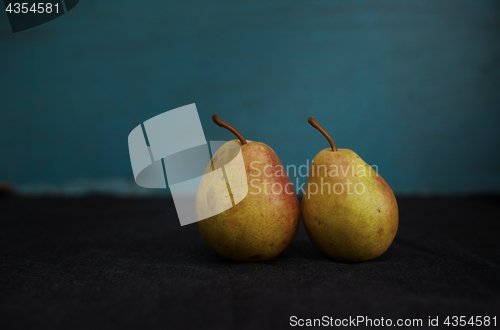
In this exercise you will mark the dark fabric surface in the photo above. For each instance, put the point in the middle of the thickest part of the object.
(109, 263)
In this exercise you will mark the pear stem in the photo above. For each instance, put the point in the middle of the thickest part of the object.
(233, 130)
(317, 126)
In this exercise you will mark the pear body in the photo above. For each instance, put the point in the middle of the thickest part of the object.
(265, 221)
(357, 219)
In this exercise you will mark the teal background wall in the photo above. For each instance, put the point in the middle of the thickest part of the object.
(411, 86)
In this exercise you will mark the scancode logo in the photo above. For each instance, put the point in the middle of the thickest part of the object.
(174, 143)
(27, 14)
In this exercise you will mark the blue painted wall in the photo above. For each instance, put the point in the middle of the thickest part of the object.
(413, 87)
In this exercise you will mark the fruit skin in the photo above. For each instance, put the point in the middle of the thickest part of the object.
(349, 227)
(262, 225)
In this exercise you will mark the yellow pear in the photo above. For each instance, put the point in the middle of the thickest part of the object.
(349, 211)
(261, 212)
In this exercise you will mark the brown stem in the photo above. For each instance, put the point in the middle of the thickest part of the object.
(221, 123)
(317, 126)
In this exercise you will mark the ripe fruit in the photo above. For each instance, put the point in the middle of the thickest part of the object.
(349, 211)
(265, 221)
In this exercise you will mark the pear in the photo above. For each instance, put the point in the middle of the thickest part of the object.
(349, 211)
(264, 214)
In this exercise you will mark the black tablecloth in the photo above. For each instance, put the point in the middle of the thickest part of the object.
(111, 263)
